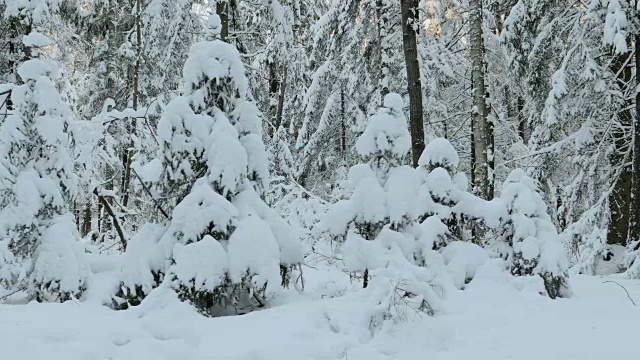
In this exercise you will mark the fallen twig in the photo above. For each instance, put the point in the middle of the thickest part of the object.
(623, 288)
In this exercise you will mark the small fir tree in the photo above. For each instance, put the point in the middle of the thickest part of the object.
(37, 231)
(532, 237)
(225, 249)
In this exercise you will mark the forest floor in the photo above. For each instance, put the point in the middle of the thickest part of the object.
(488, 320)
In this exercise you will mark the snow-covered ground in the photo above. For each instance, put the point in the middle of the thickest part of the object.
(490, 319)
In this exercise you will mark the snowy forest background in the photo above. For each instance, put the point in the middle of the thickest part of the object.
(224, 149)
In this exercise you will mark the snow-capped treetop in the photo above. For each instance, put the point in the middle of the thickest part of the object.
(214, 26)
(393, 102)
(387, 135)
(215, 112)
(440, 153)
(383, 191)
(521, 193)
(211, 65)
(442, 187)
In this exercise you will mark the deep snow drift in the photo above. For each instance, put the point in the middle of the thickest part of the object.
(495, 317)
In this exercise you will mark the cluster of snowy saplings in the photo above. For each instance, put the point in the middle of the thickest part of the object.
(397, 219)
(223, 250)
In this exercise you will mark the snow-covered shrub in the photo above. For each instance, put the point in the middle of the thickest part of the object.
(378, 225)
(533, 241)
(383, 190)
(432, 235)
(443, 187)
(36, 184)
(462, 259)
(142, 268)
(226, 250)
(60, 269)
(404, 285)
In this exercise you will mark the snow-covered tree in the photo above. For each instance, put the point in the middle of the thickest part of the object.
(37, 181)
(534, 246)
(376, 226)
(443, 186)
(224, 247)
(383, 188)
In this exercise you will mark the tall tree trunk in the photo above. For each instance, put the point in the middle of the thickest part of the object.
(13, 55)
(128, 152)
(382, 57)
(86, 219)
(277, 89)
(491, 151)
(620, 198)
(480, 125)
(272, 125)
(283, 91)
(343, 125)
(522, 122)
(222, 9)
(634, 221)
(408, 11)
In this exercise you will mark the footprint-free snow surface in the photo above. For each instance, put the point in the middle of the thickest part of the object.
(488, 320)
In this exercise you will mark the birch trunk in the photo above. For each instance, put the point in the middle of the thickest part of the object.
(481, 128)
(128, 152)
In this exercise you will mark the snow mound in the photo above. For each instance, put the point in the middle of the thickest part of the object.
(386, 132)
(462, 260)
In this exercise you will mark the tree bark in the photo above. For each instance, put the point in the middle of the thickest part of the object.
(277, 89)
(273, 91)
(522, 122)
(480, 125)
(491, 163)
(86, 219)
(283, 91)
(382, 57)
(620, 198)
(408, 11)
(128, 152)
(634, 221)
(343, 125)
(222, 9)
